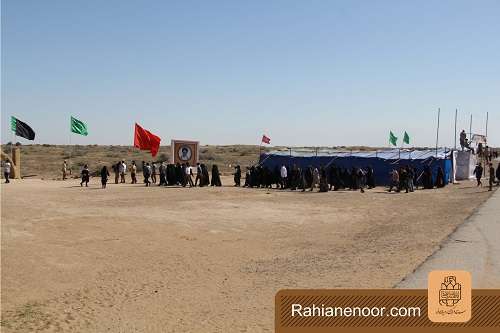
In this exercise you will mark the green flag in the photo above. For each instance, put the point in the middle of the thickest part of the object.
(406, 138)
(78, 127)
(393, 139)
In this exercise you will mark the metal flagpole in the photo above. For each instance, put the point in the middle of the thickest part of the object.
(486, 126)
(470, 127)
(456, 114)
(437, 131)
(70, 149)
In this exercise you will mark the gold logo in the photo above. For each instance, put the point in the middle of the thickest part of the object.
(449, 296)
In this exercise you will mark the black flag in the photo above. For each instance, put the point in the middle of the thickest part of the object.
(21, 129)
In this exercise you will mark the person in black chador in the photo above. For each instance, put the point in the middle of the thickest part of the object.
(215, 176)
(323, 180)
(179, 176)
(334, 177)
(85, 176)
(346, 178)
(370, 177)
(354, 178)
(247, 178)
(440, 178)
(427, 178)
(308, 176)
(266, 177)
(237, 175)
(403, 179)
(104, 176)
(162, 170)
(294, 177)
(205, 178)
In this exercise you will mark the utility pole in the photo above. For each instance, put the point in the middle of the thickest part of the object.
(437, 131)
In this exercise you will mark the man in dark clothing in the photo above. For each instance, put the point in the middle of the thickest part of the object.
(198, 175)
(403, 180)
(147, 173)
(360, 180)
(153, 172)
(163, 172)
(478, 172)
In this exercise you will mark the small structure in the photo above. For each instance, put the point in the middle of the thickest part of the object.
(15, 161)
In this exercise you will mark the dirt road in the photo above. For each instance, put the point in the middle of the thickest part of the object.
(136, 259)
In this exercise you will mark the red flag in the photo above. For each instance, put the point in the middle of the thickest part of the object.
(266, 139)
(145, 140)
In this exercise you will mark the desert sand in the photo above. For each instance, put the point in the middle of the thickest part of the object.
(137, 259)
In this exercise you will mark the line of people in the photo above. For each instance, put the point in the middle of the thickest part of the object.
(405, 178)
(492, 174)
(323, 178)
(158, 172)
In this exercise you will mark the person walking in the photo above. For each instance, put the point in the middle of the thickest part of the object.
(122, 167)
(116, 171)
(478, 172)
(104, 176)
(133, 172)
(315, 178)
(394, 180)
(6, 171)
(492, 176)
(153, 172)
(64, 170)
(147, 173)
(85, 176)
(189, 175)
(215, 176)
(498, 174)
(360, 179)
(199, 175)
(237, 176)
(283, 175)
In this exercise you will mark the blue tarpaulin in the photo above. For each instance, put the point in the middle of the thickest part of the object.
(382, 162)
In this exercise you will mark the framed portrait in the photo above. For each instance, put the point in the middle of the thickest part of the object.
(184, 151)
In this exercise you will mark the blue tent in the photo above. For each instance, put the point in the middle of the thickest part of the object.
(382, 162)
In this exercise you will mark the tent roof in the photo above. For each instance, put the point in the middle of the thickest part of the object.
(389, 154)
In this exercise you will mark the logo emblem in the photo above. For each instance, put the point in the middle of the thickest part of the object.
(450, 292)
(449, 296)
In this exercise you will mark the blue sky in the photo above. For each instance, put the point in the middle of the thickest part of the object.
(224, 72)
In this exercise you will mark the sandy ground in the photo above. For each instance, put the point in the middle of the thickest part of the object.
(136, 259)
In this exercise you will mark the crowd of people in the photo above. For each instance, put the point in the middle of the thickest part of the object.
(493, 176)
(159, 173)
(332, 178)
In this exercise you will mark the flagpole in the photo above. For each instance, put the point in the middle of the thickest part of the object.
(486, 127)
(70, 148)
(456, 114)
(437, 131)
(470, 127)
